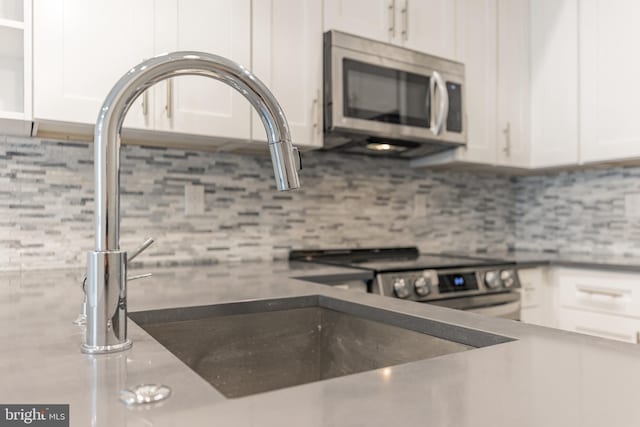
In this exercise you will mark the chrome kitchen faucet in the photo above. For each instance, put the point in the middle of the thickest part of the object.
(106, 288)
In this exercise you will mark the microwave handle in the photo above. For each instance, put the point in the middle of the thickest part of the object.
(438, 86)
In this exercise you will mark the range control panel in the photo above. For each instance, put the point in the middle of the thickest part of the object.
(426, 285)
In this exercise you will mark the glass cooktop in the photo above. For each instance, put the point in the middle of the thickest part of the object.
(392, 259)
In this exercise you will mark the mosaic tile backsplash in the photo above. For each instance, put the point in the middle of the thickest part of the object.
(590, 211)
(46, 206)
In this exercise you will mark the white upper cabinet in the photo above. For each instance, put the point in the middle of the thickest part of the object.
(492, 40)
(287, 57)
(428, 25)
(15, 67)
(513, 83)
(424, 25)
(73, 73)
(609, 83)
(81, 49)
(374, 19)
(199, 105)
(539, 92)
(554, 82)
(476, 25)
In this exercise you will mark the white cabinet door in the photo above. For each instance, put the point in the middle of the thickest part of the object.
(609, 83)
(554, 82)
(428, 26)
(197, 105)
(476, 25)
(537, 297)
(287, 57)
(81, 49)
(513, 83)
(424, 25)
(374, 19)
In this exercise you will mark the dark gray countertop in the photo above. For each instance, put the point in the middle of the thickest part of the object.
(600, 261)
(543, 378)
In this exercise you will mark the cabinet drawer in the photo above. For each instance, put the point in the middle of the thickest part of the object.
(612, 293)
(600, 325)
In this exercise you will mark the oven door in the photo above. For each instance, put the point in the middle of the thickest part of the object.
(372, 94)
(505, 304)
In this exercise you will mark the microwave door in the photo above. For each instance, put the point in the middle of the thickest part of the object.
(384, 95)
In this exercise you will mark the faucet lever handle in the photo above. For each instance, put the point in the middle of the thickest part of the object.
(141, 249)
(139, 276)
(137, 252)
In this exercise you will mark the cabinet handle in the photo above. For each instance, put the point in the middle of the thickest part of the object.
(638, 337)
(317, 117)
(392, 18)
(145, 103)
(507, 140)
(169, 106)
(614, 293)
(604, 334)
(405, 20)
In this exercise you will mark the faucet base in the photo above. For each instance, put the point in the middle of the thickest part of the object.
(104, 349)
(106, 303)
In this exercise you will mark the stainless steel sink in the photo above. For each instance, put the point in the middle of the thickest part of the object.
(256, 346)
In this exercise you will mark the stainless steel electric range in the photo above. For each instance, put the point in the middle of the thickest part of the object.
(482, 285)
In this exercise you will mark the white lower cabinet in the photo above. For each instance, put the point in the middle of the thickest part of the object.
(537, 296)
(605, 304)
(600, 303)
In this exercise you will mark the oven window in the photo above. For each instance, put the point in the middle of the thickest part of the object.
(385, 94)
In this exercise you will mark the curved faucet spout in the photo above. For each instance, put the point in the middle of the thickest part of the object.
(106, 290)
(150, 72)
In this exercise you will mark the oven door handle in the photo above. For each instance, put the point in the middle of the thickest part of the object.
(438, 87)
(510, 310)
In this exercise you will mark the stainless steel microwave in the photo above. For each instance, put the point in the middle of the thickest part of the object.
(386, 100)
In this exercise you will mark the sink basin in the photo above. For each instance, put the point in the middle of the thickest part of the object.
(256, 346)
